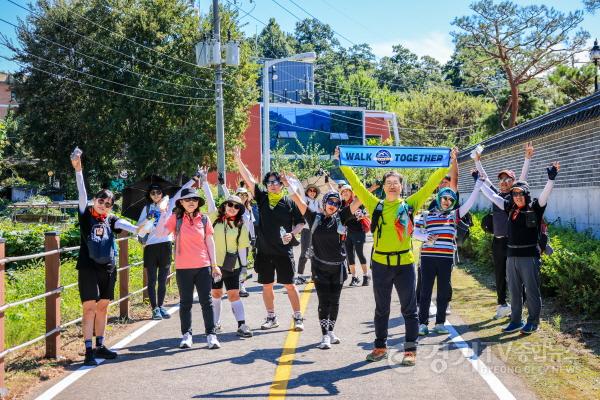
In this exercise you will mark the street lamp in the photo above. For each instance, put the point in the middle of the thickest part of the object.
(595, 57)
(266, 150)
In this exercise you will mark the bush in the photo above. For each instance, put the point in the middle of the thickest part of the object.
(571, 274)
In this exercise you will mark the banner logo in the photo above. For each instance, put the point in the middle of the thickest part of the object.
(383, 157)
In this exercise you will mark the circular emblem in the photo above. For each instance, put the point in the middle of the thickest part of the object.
(383, 157)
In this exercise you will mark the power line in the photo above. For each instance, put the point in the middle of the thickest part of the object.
(248, 13)
(337, 33)
(107, 63)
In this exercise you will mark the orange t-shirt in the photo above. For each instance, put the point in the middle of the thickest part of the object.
(190, 246)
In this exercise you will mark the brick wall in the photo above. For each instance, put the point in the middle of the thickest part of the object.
(576, 196)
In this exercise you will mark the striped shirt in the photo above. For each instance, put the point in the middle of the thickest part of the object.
(444, 226)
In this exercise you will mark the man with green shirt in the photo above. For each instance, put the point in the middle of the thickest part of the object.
(392, 262)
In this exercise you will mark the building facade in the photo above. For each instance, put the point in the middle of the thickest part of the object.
(8, 98)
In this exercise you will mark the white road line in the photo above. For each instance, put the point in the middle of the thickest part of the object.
(483, 370)
(81, 371)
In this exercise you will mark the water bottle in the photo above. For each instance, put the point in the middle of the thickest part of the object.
(282, 233)
(76, 153)
(164, 202)
(477, 151)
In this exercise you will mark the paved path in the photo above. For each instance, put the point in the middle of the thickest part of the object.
(152, 367)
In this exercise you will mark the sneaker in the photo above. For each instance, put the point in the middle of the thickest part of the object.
(218, 328)
(354, 281)
(300, 280)
(325, 343)
(409, 359)
(89, 360)
(244, 331)
(513, 327)
(377, 354)
(423, 330)
(502, 311)
(365, 281)
(156, 315)
(334, 338)
(213, 342)
(164, 313)
(244, 292)
(186, 341)
(298, 324)
(440, 329)
(529, 328)
(103, 352)
(270, 323)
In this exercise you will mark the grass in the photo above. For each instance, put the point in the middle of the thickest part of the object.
(560, 361)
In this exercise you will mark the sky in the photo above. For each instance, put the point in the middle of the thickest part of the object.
(422, 26)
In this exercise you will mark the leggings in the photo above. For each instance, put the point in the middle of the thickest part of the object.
(355, 242)
(187, 280)
(329, 304)
(157, 260)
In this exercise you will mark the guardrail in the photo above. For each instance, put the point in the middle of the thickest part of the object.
(54, 327)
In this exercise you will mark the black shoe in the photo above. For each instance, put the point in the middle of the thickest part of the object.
(244, 293)
(89, 360)
(365, 281)
(103, 352)
(354, 281)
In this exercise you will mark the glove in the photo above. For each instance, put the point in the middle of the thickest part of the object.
(475, 175)
(221, 179)
(552, 172)
(326, 178)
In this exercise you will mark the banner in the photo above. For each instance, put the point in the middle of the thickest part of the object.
(394, 157)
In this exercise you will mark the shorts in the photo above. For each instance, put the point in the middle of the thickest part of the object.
(268, 264)
(157, 255)
(231, 280)
(96, 283)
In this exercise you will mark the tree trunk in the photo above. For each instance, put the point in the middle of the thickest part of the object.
(514, 103)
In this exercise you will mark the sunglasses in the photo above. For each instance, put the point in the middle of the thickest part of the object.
(333, 203)
(243, 194)
(155, 192)
(448, 198)
(506, 180)
(312, 190)
(105, 202)
(270, 183)
(517, 194)
(191, 200)
(234, 205)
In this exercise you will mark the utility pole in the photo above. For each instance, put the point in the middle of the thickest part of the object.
(219, 100)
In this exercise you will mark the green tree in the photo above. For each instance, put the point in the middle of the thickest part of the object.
(523, 42)
(404, 71)
(574, 83)
(273, 42)
(313, 35)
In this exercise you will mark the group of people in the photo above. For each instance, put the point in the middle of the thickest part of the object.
(213, 249)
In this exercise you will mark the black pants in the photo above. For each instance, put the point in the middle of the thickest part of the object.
(499, 255)
(355, 241)
(419, 286)
(328, 283)
(432, 268)
(157, 261)
(401, 277)
(201, 279)
(305, 239)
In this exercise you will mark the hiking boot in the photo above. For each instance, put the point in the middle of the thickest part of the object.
(423, 330)
(365, 281)
(186, 341)
(529, 328)
(325, 343)
(409, 359)
(440, 329)
(298, 324)
(502, 311)
(213, 342)
(513, 327)
(334, 338)
(89, 360)
(270, 323)
(103, 352)
(156, 315)
(244, 331)
(377, 354)
(164, 313)
(354, 281)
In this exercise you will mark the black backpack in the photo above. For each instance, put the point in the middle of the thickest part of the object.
(378, 212)
(463, 226)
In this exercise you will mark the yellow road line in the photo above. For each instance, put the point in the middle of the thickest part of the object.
(284, 367)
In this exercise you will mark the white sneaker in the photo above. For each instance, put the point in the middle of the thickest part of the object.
(244, 331)
(334, 339)
(502, 311)
(186, 341)
(218, 328)
(213, 342)
(298, 324)
(270, 323)
(325, 343)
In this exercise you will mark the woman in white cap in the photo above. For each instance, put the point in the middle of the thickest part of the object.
(232, 242)
(249, 223)
(310, 197)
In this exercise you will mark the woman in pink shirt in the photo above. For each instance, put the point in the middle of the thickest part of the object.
(194, 263)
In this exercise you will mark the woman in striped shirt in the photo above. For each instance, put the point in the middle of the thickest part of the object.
(437, 229)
